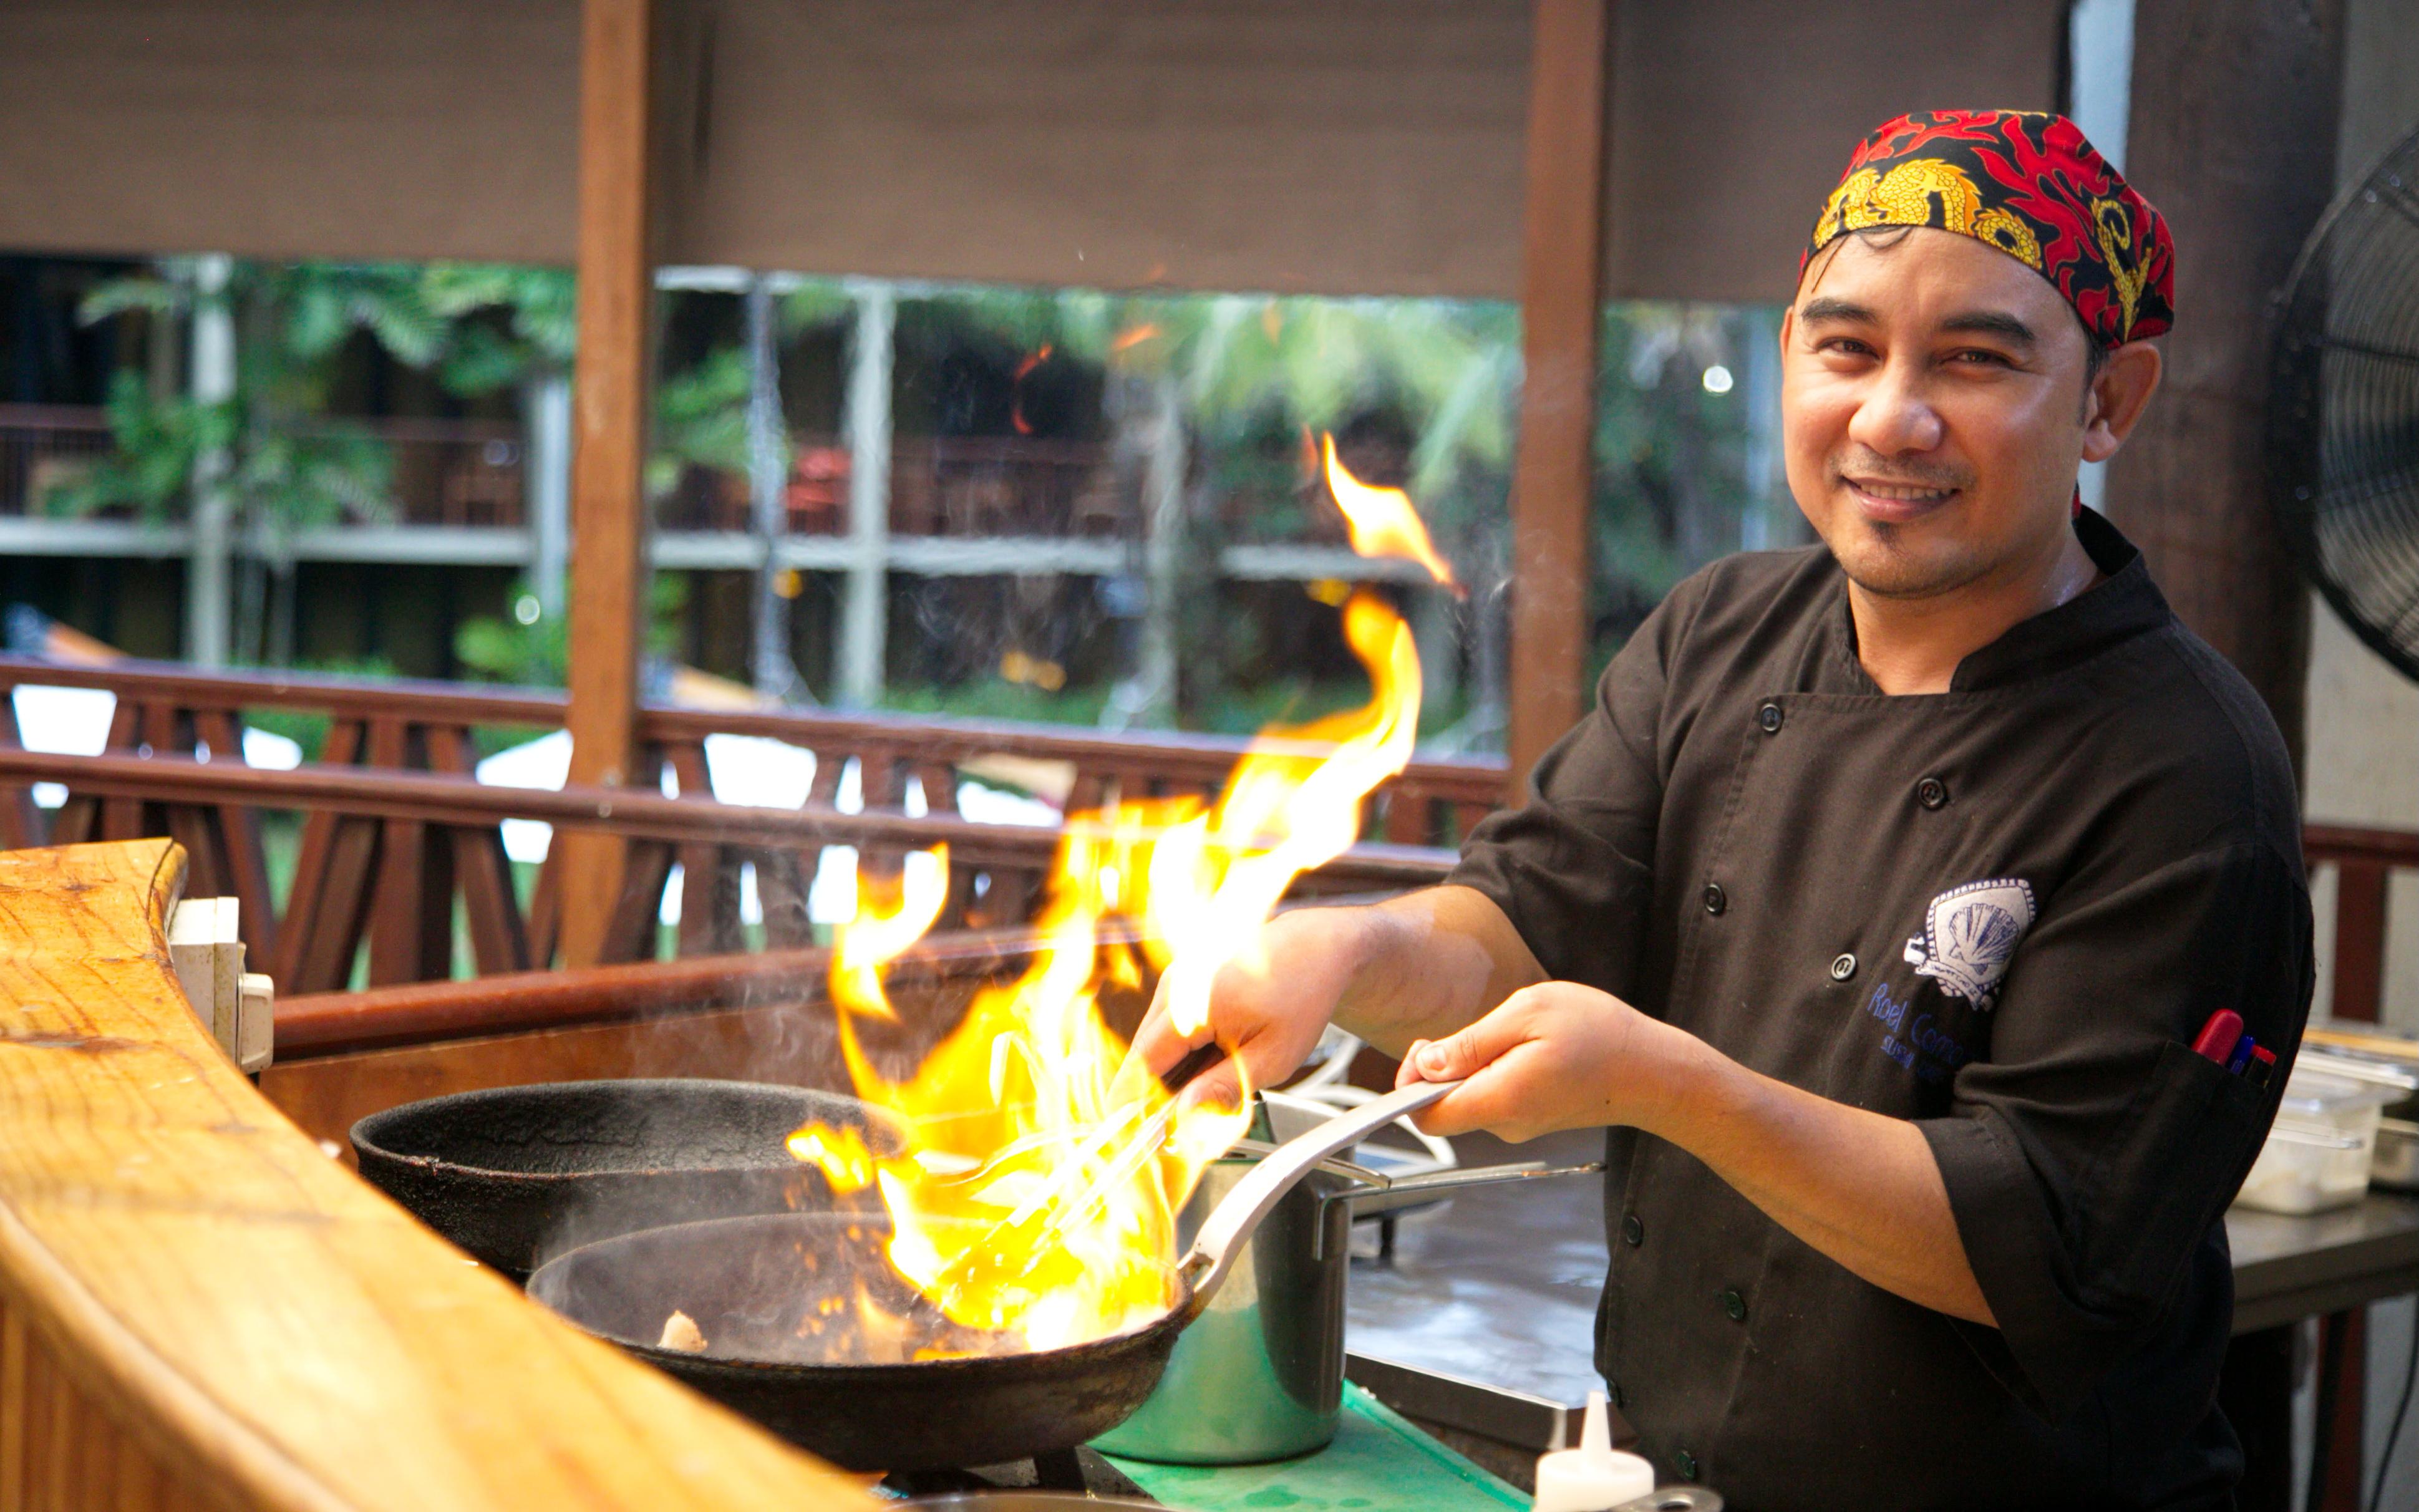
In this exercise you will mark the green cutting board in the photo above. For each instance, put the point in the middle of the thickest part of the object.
(1378, 1464)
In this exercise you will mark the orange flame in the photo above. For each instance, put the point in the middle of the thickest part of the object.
(1019, 1199)
(1016, 403)
(1134, 337)
(1381, 520)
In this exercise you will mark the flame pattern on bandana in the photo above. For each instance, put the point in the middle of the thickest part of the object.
(2029, 184)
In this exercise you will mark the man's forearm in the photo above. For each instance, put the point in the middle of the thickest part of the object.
(1431, 962)
(1861, 1187)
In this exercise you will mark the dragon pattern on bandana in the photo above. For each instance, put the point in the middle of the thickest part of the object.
(2030, 185)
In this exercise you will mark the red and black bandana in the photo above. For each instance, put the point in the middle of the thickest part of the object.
(2028, 184)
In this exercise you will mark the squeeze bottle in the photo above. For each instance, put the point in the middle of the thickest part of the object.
(1593, 1477)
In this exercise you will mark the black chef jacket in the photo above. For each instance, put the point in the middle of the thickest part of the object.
(2003, 911)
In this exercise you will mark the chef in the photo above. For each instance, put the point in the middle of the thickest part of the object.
(1877, 903)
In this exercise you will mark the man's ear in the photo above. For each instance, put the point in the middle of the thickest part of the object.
(2117, 397)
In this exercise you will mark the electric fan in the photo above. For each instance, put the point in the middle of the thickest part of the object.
(2343, 441)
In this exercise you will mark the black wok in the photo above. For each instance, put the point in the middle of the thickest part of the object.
(759, 1289)
(515, 1174)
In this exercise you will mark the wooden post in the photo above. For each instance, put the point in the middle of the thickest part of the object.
(1555, 471)
(609, 432)
(2232, 135)
(2233, 138)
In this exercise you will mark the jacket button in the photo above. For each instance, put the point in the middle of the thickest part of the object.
(1769, 717)
(1843, 965)
(1686, 1463)
(1716, 900)
(1735, 1305)
(1932, 792)
(1633, 1231)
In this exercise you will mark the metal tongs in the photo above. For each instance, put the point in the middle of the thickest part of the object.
(1142, 1144)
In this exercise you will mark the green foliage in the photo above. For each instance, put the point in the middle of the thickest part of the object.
(1249, 364)
(503, 650)
(816, 301)
(157, 442)
(508, 322)
(305, 728)
(285, 468)
(1449, 369)
(994, 698)
(324, 304)
(700, 420)
(537, 654)
(297, 482)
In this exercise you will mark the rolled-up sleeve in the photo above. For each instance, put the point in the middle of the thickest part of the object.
(2086, 1157)
(1571, 868)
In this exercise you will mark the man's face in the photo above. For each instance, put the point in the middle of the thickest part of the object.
(1933, 411)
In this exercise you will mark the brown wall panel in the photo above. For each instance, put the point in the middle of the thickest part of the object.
(290, 127)
(1733, 118)
(1351, 146)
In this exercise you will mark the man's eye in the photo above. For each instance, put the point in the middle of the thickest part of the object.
(1845, 346)
(1982, 358)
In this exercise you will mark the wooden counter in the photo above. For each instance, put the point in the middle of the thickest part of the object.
(198, 1308)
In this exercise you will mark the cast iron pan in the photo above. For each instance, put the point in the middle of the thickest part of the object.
(776, 1300)
(758, 1290)
(515, 1174)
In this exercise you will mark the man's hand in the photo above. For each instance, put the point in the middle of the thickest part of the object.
(1267, 1005)
(1424, 963)
(1555, 1055)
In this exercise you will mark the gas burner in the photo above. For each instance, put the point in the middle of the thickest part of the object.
(1079, 1470)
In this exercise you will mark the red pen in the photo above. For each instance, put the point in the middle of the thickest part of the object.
(2217, 1037)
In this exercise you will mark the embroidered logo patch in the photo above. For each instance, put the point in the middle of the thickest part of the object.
(1969, 936)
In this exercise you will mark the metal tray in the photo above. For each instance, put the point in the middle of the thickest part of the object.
(2393, 1164)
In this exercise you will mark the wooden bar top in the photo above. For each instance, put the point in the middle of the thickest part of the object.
(199, 1308)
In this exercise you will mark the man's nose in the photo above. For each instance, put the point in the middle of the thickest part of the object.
(1895, 417)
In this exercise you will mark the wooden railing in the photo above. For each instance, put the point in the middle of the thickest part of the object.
(395, 829)
(2364, 861)
(763, 1017)
(440, 472)
(475, 473)
(43, 447)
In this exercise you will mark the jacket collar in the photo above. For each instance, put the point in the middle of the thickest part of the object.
(2126, 603)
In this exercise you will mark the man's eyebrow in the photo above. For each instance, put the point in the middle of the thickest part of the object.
(1992, 323)
(1827, 308)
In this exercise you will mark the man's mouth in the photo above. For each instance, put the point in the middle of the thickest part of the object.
(1893, 502)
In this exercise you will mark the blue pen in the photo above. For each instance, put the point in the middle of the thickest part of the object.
(2241, 1056)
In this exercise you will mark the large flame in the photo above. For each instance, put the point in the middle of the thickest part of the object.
(1381, 520)
(1042, 1169)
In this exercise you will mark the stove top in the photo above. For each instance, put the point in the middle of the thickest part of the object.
(1079, 1470)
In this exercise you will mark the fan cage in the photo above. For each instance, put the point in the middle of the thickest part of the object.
(2344, 410)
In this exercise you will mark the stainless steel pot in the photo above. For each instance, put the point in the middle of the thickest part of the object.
(1259, 1375)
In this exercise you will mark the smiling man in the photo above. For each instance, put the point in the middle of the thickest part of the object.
(1876, 904)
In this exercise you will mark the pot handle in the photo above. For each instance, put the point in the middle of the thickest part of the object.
(1409, 1191)
(1231, 1222)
